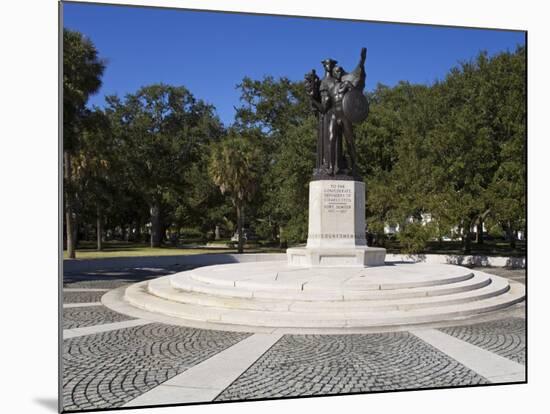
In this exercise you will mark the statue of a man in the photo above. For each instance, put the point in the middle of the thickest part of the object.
(339, 102)
(341, 127)
(318, 91)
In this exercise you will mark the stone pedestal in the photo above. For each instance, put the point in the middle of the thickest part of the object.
(336, 232)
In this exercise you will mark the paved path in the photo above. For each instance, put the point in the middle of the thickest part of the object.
(111, 360)
(491, 366)
(197, 384)
(81, 305)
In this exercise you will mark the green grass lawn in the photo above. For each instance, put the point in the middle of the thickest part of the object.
(87, 250)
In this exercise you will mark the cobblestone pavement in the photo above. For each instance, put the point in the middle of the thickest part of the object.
(90, 316)
(505, 337)
(108, 369)
(337, 364)
(82, 297)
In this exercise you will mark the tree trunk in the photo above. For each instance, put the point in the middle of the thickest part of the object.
(217, 235)
(69, 225)
(127, 232)
(76, 231)
(466, 240)
(64, 234)
(240, 228)
(163, 229)
(282, 241)
(511, 236)
(138, 232)
(99, 230)
(70, 233)
(274, 229)
(156, 228)
(479, 234)
(178, 236)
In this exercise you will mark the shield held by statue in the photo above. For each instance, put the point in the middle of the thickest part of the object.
(355, 106)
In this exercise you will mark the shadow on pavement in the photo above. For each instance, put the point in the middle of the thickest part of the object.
(131, 275)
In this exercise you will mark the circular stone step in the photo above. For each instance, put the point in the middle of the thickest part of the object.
(273, 294)
(276, 276)
(486, 288)
(184, 283)
(280, 281)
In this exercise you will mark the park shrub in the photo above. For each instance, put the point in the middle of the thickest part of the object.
(415, 236)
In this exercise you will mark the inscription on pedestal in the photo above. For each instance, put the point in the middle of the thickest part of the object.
(336, 214)
(336, 227)
(337, 198)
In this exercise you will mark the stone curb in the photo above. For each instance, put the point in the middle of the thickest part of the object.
(90, 265)
(463, 260)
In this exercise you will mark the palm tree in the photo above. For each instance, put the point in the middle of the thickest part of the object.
(234, 168)
(82, 71)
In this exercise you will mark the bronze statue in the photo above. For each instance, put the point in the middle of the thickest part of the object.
(338, 102)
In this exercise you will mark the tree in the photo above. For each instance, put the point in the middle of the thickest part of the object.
(82, 71)
(477, 147)
(95, 170)
(271, 105)
(286, 183)
(206, 208)
(508, 120)
(392, 144)
(161, 131)
(278, 113)
(454, 150)
(234, 168)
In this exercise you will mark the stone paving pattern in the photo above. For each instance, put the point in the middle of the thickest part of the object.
(90, 316)
(108, 369)
(300, 365)
(505, 337)
(82, 297)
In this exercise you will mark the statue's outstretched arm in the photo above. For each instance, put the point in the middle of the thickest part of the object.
(357, 77)
(363, 56)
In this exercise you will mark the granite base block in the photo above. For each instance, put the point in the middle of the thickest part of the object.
(336, 257)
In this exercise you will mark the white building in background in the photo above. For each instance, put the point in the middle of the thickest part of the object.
(520, 235)
(391, 229)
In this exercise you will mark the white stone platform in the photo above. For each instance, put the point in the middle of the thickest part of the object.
(255, 296)
(360, 256)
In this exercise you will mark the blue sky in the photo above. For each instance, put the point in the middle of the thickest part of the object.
(209, 53)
